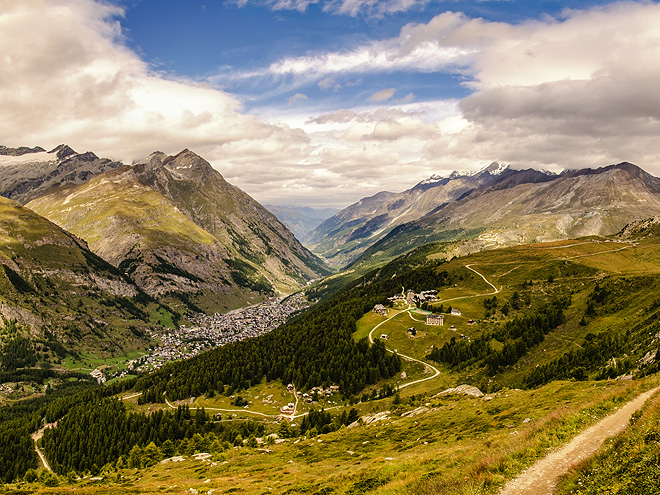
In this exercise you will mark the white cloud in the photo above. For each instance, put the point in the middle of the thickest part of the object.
(297, 97)
(328, 84)
(382, 95)
(353, 8)
(66, 76)
(560, 93)
(419, 48)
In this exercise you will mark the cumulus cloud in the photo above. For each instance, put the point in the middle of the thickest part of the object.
(67, 77)
(576, 91)
(570, 92)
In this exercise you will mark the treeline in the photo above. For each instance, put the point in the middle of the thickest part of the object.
(593, 351)
(100, 435)
(314, 349)
(516, 337)
(99, 431)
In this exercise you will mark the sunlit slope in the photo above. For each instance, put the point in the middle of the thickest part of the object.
(58, 289)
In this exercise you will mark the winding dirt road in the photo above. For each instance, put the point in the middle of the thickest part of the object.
(427, 366)
(541, 478)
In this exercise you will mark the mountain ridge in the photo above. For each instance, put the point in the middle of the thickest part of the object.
(178, 228)
(345, 236)
(578, 203)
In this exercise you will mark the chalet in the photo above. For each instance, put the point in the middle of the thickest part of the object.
(381, 310)
(435, 320)
(455, 311)
(410, 296)
(289, 387)
(452, 327)
(470, 322)
(383, 336)
(412, 331)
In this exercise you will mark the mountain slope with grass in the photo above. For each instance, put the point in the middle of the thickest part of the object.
(183, 233)
(242, 225)
(538, 343)
(57, 292)
(346, 235)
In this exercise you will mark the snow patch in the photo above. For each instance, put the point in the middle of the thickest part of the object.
(27, 158)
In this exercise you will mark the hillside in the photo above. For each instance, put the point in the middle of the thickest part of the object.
(159, 218)
(346, 235)
(506, 213)
(136, 229)
(241, 224)
(539, 332)
(57, 292)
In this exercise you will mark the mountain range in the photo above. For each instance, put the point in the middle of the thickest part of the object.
(496, 206)
(171, 223)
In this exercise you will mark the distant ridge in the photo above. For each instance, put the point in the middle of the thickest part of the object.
(34, 172)
(530, 206)
(345, 236)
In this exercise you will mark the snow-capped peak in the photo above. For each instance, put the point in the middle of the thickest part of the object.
(494, 168)
(433, 179)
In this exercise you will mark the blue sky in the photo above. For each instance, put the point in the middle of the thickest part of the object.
(323, 102)
(215, 40)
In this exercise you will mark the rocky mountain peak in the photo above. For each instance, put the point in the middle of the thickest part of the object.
(20, 151)
(185, 165)
(493, 168)
(63, 151)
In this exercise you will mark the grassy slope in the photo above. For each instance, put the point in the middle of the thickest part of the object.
(60, 292)
(125, 221)
(453, 445)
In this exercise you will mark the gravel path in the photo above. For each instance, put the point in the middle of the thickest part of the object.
(541, 478)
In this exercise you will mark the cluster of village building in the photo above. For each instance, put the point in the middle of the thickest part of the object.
(212, 331)
(413, 298)
(309, 398)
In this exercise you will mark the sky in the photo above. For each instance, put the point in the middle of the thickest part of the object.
(322, 102)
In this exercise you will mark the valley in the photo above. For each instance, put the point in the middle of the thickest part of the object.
(417, 432)
(329, 247)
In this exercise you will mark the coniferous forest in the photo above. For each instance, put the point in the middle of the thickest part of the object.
(316, 348)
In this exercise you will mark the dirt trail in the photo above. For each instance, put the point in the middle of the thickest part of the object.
(541, 478)
(36, 436)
